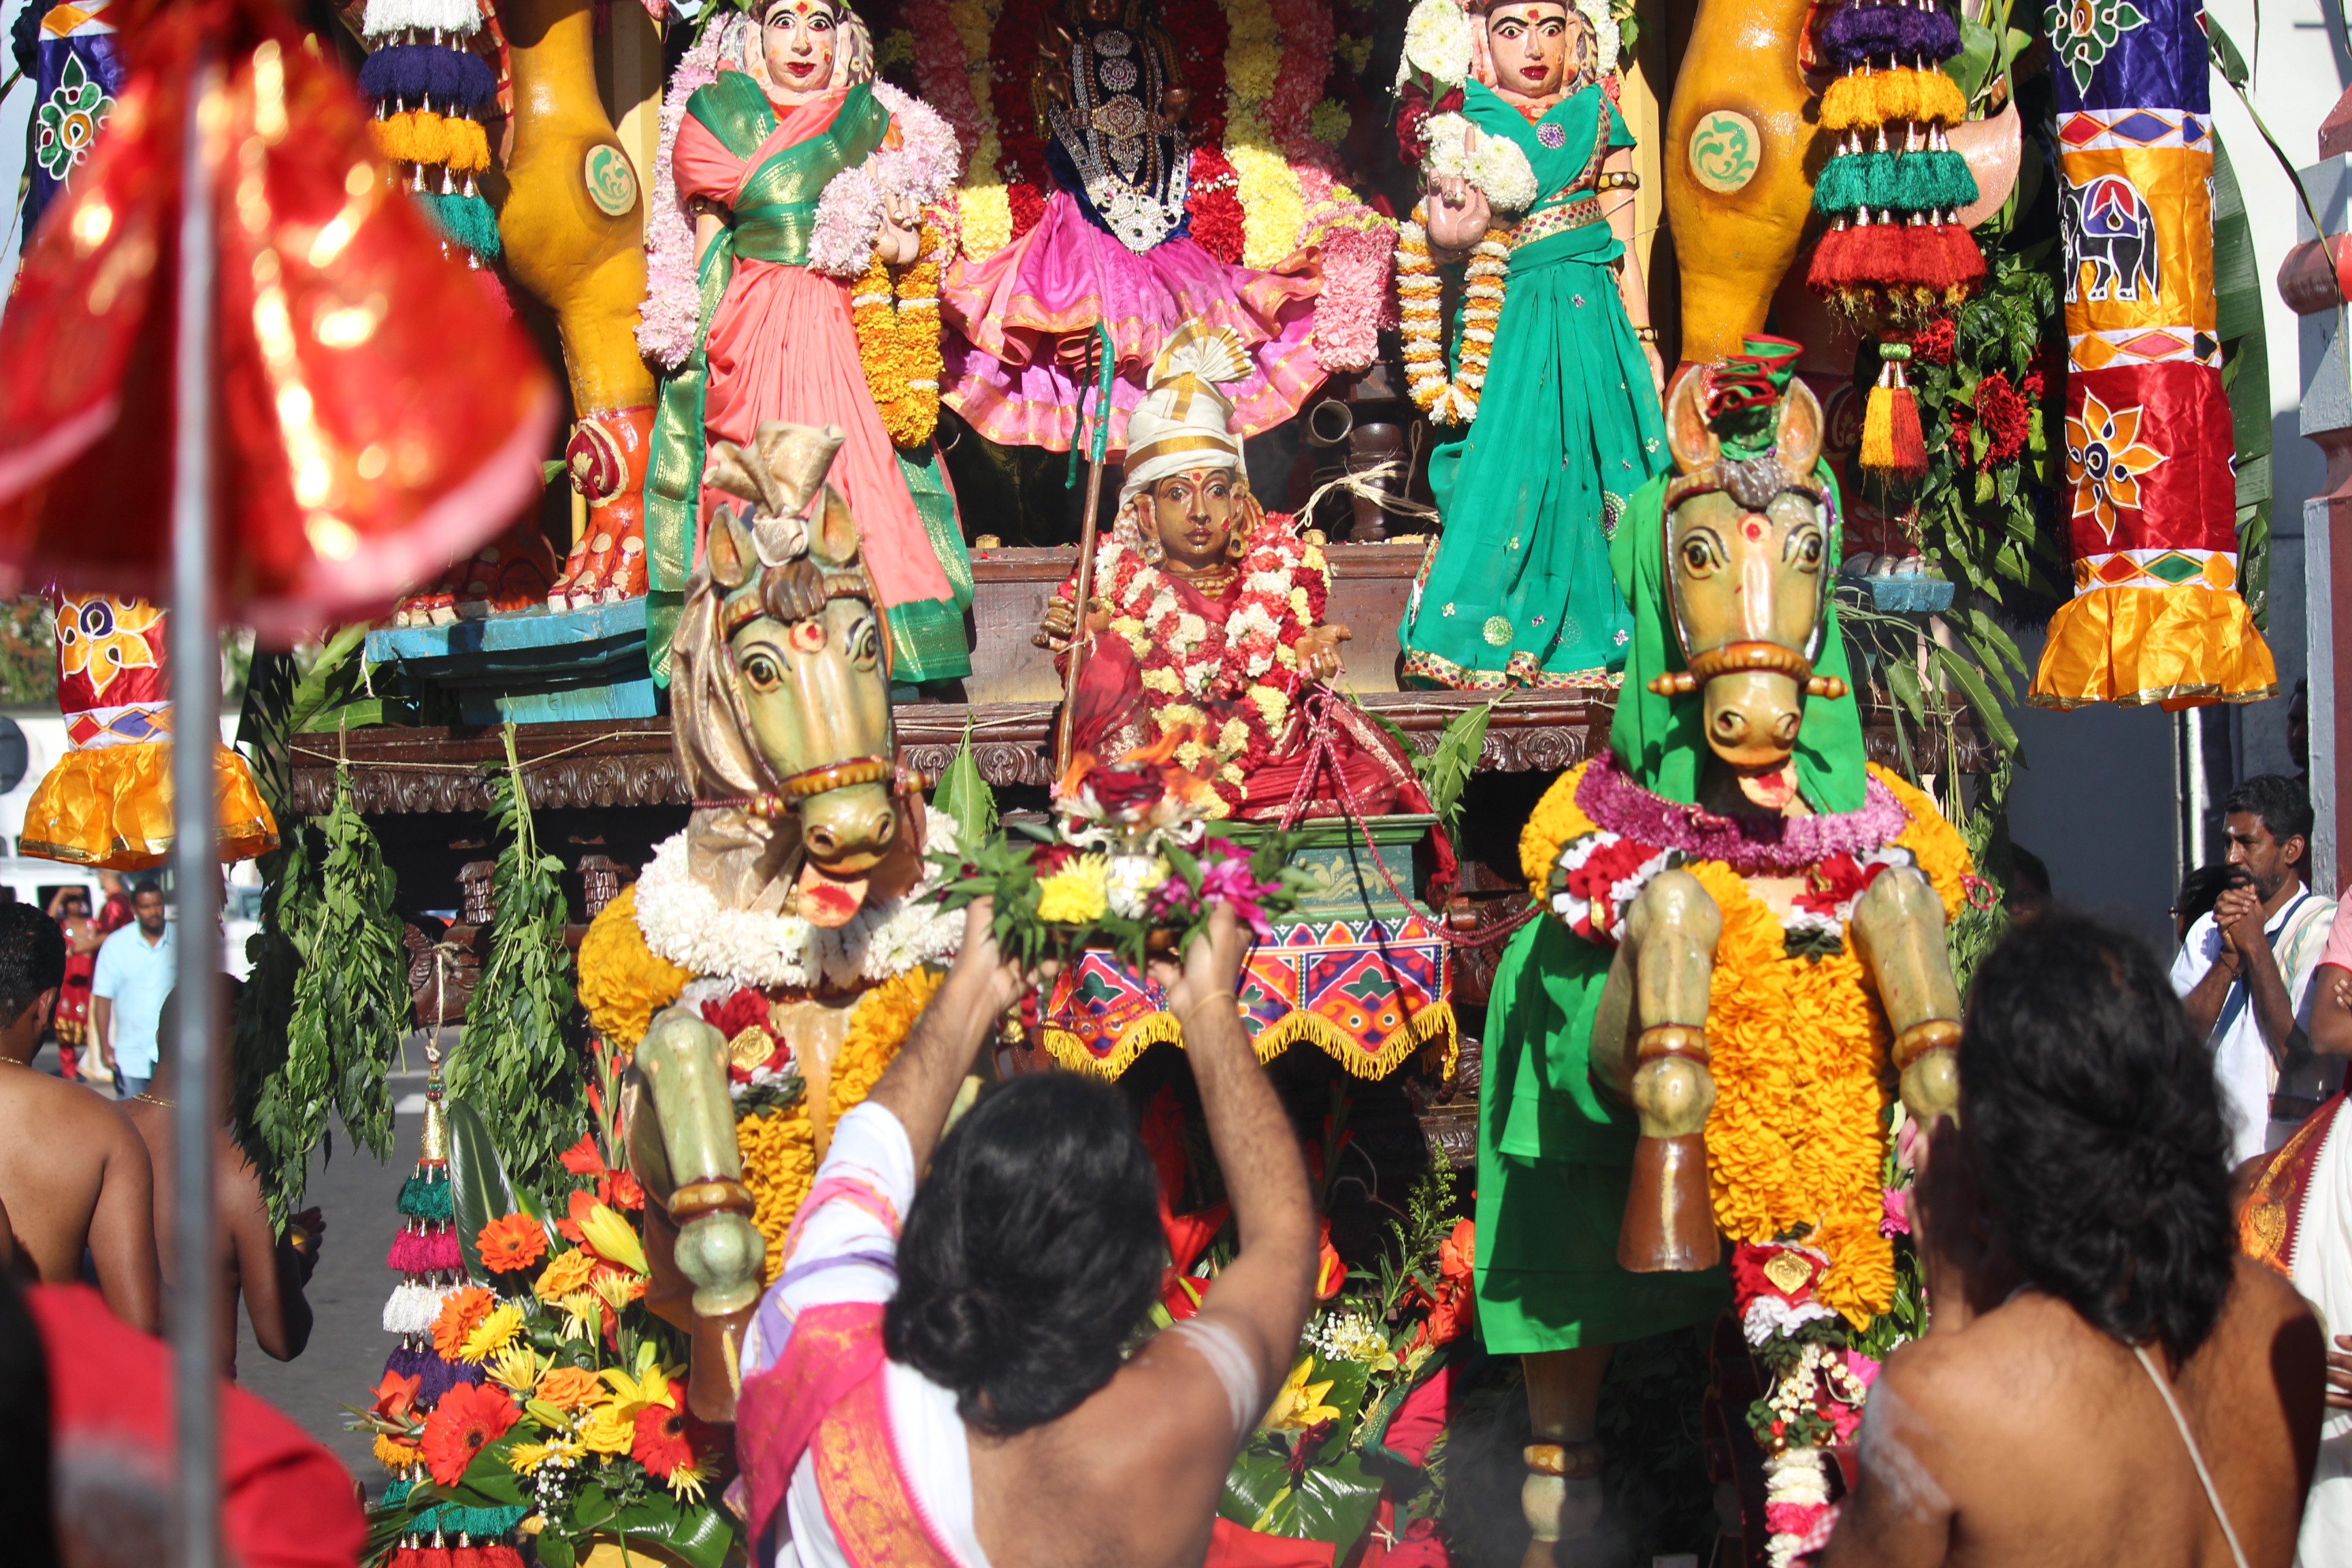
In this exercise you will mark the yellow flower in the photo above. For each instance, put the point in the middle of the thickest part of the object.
(525, 1457)
(565, 1273)
(395, 1456)
(516, 1369)
(491, 1335)
(1233, 737)
(609, 1429)
(1161, 680)
(584, 1315)
(1272, 706)
(615, 1239)
(648, 1384)
(1300, 607)
(987, 210)
(1329, 121)
(1298, 1404)
(1075, 894)
(686, 1481)
(624, 982)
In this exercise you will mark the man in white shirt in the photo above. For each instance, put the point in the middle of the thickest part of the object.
(2245, 972)
(135, 972)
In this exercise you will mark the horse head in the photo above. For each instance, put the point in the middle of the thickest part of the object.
(1747, 562)
(782, 676)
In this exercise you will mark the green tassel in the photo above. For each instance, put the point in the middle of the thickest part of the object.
(1933, 182)
(1895, 182)
(465, 220)
(426, 1196)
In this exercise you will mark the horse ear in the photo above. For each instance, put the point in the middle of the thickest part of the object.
(1798, 439)
(730, 468)
(836, 545)
(731, 557)
(1695, 446)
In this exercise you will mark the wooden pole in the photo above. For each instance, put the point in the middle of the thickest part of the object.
(1065, 727)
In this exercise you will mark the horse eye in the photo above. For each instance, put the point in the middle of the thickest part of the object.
(866, 644)
(1696, 554)
(762, 672)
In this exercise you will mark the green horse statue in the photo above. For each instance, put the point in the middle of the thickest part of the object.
(798, 886)
(1748, 921)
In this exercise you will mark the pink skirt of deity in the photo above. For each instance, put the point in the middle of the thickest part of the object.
(781, 346)
(1006, 314)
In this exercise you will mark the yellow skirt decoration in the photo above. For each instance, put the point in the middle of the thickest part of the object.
(1432, 1024)
(110, 808)
(2180, 647)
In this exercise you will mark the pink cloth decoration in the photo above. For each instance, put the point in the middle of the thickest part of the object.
(781, 346)
(1007, 313)
(430, 1252)
(1415, 1429)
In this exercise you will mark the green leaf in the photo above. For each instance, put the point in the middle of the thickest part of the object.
(701, 1533)
(1973, 65)
(2225, 54)
(1989, 713)
(479, 1188)
(554, 1551)
(488, 1482)
(594, 1508)
(1447, 769)
(964, 796)
(1903, 680)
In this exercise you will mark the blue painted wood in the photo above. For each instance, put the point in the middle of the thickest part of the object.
(1903, 595)
(534, 667)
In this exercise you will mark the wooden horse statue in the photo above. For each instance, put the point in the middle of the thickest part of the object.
(795, 901)
(1748, 921)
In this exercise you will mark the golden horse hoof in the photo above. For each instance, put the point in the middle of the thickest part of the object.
(1669, 1219)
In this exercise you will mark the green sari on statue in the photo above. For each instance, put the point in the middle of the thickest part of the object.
(1518, 591)
(777, 342)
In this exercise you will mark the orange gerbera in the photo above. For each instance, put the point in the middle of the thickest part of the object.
(570, 1388)
(511, 1243)
(566, 1273)
(471, 1416)
(461, 1313)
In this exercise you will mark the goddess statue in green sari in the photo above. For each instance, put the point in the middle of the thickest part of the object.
(1528, 167)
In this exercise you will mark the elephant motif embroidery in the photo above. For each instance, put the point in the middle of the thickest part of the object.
(2111, 228)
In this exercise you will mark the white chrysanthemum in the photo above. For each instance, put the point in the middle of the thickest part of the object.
(1128, 880)
(1436, 43)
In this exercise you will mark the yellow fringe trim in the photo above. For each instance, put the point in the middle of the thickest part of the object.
(1432, 1022)
(2134, 646)
(624, 982)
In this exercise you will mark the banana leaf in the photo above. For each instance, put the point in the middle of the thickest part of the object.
(479, 1188)
(964, 796)
(1332, 1502)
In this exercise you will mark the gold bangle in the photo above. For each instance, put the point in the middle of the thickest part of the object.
(1646, 334)
(1671, 1040)
(699, 1198)
(1934, 1034)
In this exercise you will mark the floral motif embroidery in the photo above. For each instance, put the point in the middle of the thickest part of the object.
(2082, 31)
(2106, 459)
(1499, 631)
(70, 120)
(1552, 136)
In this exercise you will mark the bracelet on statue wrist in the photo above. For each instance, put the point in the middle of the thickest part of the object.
(1647, 334)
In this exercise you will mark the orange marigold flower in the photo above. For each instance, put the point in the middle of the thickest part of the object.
(470, 1416)
(511, 1243)
(461, 1313)
(570, 1388)
(566, 1273)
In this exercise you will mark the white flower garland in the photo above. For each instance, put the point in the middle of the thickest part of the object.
(1797, 1477)
(682, 921)
(919, 171)
(1493, 163)
(1436, 43)
(389, 17)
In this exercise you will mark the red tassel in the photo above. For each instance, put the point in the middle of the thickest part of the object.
(1964, 266)
(435, 1557)
(1910, 447)
(1876, 258)
(466, 1557)
(1832, 264)
(501, 1557)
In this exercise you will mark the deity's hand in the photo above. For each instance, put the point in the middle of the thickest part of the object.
(1060, 625)
(1459, 212)
(1175, 103)
(899, 241)
(1319, 651)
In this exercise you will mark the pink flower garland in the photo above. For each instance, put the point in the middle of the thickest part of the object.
(921, 170)
(672, 312)
(1306, 37)
(941, 71)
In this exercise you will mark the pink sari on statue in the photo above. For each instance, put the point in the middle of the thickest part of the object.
(781, 346)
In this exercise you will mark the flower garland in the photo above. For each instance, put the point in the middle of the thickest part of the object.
(1494, 165)
(920, 170)
(1247, 664)
(1797, 1044)
(898, 338)
(624, 982)
(1448, 400)
(683, 921)
(672, 312)
(779, 1147)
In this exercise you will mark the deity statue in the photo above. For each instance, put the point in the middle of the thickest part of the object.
(1115, 246)
(1555, 368)
(805, 179)
(1206, 626)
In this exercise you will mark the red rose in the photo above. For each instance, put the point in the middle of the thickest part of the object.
(743, 1010)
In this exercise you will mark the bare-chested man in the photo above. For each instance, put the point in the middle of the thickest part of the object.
(2098, 1346)
(73, 1175)
(267, 1270)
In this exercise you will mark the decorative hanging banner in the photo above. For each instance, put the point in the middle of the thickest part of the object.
(107, 802)
(77, 73)
(2150, 495)
(1368, 993)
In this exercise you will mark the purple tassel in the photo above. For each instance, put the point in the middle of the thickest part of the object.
(1859, 34)
(434, 1376)
(432, 1252)
(411, 73)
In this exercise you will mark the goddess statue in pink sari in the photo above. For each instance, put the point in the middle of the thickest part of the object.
(1113, 247)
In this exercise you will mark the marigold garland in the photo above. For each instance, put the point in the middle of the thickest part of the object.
(624, 982)
(779, 1147)
(1797, 1046)
(1419, 310)
(898, 326)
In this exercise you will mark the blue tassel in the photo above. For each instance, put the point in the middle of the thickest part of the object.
(411, 73)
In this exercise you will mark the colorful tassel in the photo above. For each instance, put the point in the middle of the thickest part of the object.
(412, 73)
(499, 1555)
(434, 1376)
(1873, 98)
(424, 136)
(411, 1307)
(1892, 442)
(1878, 427)
(467, 220)
(1856, 35)
(426, 1252)
(465, 146)
(426, 1194)
(386, 17)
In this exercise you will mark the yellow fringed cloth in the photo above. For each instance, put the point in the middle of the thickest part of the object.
(107, 802)
(2150, 494)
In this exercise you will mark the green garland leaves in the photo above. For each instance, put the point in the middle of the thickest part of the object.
(516, 1065)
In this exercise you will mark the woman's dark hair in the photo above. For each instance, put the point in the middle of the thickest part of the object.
(1031, 1253)
(2094, 1125)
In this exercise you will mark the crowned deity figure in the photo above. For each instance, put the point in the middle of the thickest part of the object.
(1113, 247)
(1206, 633)
(1554, 368)
(804, 180)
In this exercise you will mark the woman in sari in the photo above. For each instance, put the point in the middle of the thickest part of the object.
(757, 163)
(1568, 422)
